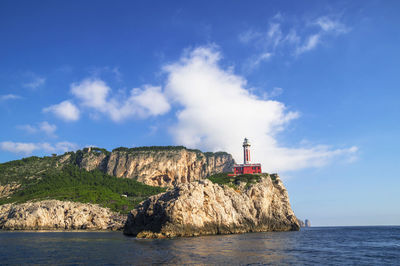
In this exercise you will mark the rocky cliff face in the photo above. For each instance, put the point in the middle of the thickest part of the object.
(58, 215)
(301, 223)
(204, 208)
(159, 167)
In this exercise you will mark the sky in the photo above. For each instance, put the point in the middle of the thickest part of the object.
(314, 85)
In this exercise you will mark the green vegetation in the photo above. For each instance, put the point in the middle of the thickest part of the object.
(168, 148)
(59, 177)
(74, 184)
(21, 171)
(233, 181)
(96, 150)
(218, 153)
(150, 148)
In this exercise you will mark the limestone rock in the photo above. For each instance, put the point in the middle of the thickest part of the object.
(155, 168)
(204, 208)
(58, 215)
(8, 189)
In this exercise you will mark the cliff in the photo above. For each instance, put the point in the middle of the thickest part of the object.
(205, 208)
(301, 223)
(58, 215)
(305, 223)
(155, 166)
(118, 180)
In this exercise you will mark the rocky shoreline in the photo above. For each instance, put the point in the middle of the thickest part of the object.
(189, 209)
(205, 208)
(59, 215)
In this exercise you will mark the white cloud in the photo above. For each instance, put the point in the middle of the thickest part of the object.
(64, 110)
(275, 34)
(6, 97)
(95, 95)
(248, 36)
(47, 128)
(35, 82)
(27, 148)
(293, 39)
(63, 146)
(18, 147)
(91, 93)
(255, 61)
(329, 25)
(217, 112)
(28, 128)
(272, 94)
(309, 44)
(44, 127)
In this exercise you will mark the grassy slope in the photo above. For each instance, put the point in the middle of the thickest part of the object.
(43, 178)
(26, 169)
(40, 179)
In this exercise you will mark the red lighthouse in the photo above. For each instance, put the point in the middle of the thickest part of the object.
(247, 167)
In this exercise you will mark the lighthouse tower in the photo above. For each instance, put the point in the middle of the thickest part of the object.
(247, 167)
(246, 151)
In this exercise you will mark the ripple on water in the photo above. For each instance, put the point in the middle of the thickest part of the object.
(328, 246)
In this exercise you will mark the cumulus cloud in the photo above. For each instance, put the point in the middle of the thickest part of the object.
(217, 111)
(65, 110)
(95, 95)
(44, 127)
(28, 148)
(6, 97)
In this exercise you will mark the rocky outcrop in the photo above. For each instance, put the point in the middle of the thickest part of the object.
(301, 223)
(8, 189)
(307, 223)
(58, 215)
(205, 208)
(161, 166)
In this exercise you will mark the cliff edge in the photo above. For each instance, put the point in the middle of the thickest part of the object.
(164, 166)
(206, 208)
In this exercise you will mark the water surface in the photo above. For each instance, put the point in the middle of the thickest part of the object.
(315, 246)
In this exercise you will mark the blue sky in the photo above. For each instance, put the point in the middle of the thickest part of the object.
(313, 84)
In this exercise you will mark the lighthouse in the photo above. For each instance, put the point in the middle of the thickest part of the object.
(246, 151)
(247, 167)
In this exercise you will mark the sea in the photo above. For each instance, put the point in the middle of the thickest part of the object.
(311, 246)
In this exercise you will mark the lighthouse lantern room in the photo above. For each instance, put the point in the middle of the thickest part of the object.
(247, 167)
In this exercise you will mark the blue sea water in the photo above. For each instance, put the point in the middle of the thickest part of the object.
(310, 246)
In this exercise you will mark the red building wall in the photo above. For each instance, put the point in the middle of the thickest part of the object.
(247, 169)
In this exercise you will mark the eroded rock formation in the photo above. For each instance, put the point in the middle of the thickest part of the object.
(165, 167)
(58, 215)
(204, 208)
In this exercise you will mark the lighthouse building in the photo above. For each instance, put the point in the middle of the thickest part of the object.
(247, 167)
